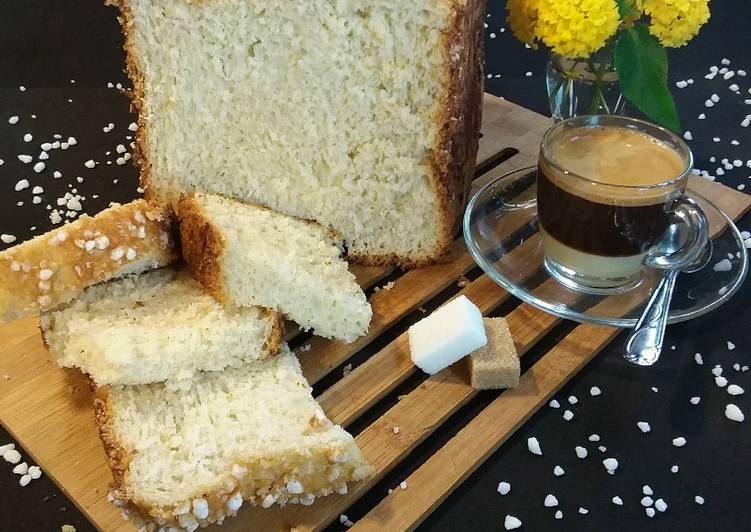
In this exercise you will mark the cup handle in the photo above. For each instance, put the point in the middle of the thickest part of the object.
(684, 209)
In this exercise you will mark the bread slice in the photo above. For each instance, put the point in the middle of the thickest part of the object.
(248, 255)
(496, 365)
(157, 326)
(360, 115)
(53, 268)
(191, 457)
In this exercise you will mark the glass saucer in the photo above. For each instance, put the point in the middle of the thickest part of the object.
(501, 232)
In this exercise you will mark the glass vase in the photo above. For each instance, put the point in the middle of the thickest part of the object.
(583, 86)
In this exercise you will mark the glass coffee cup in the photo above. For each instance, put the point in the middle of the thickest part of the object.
(608, 188)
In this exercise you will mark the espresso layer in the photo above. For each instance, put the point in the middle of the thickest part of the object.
(597, 228)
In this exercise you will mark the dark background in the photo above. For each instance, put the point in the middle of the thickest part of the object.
(45, 44)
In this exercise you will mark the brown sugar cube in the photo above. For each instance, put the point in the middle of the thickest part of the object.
(495, 365)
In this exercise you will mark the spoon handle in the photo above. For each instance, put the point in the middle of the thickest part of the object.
(645, 341)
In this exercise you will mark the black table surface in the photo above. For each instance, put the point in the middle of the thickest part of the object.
(64, 53)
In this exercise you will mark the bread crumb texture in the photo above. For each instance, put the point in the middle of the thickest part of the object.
(53, 268)
(249, 255)
(192, 457)
(362, 116)
(157, 326)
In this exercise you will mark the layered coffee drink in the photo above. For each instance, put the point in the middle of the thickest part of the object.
(604, 194)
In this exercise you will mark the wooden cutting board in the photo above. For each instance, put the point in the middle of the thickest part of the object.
(48, 410)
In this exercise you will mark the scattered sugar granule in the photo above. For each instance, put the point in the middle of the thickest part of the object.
(643, 426)
(72, 141)
(534, 446)
(25, 479)
(558, 514)
(731, 346)
(346, 370)
(661, 505)
(21, 469)
(611, 464)
(25, 159)
(7, 447)
(35, 472)
(504, 488)
(511, 522)
(403, 485)
(8, 239)
(554, 404)
(550, 501)
(617, 500)
(602, 448)
(674, 469)
(717, 370)
(89, 164)
(679, 441)
(736, 366)
(28, 137)
(655, 389)
(580, 451)
(395, 430)
(583, 510)
(734, 389)
(13, 120)
(558, 471)
(723, 266)
(57, 174)
(22, 184)
(572, 399)
(729, 74)
(734, 87)
(647, 490)
(688, 136)
(716, 139)
(695, 400)
(647, 501)
(12, 456)
(698, 359)
(568, 415)
(699, 499)
(37, 190)
(528, 74)
(715, 98)
(594, 437)
(650, 512)
(702, 116)
(681, 84)
(44, 156)
(721, 381)
(708, 103)
(594, 391)
(733, 413)
(133, 126)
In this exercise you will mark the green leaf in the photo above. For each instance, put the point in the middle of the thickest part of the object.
(642, 66)
(624, 7)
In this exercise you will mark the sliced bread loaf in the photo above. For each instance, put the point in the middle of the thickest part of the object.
(249, 255)
(191, 457)
(157, 326)
(53, 268)
(361, 115)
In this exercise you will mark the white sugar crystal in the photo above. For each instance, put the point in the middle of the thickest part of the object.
(647, 490)
(550, 501)
(511, 522)
(504, 488)
(7, 239)
(57, 175)
(25, 159)
(35, 472)
(25, 480)
(725, 61)
(558, 514)
(650, 512)
(681, 84)
(22, 184)
(729, 74)
(447, 335)
(740, 72)
(688, 136)
(89, 164)
(403, 485)
(7, 447)
(594, 391)
(708, 103)
(133, 126)
(731, 346)
(534, 446)
(647, 501)
(558, 471)
(580, 451)
(120, 148)
(44, 156)
(583, 510)
(554, 404)
(611, 464)
(72, 141)
(723, 266)
(12, 456)
(721, 381)
(736, 366)
(643, 426)
(602, 448)
(715, 98)
(733, 413)
(698, 359)
(717, 371)
(568, 415)
(702, 116)
(674, 469)
(734, 389)
(695, 400)
(699, 499)
(679, 441)
(572, 399)
(594, 437)
(37, 190)
(617, 500)
(655, 389)
(28, 137)
(734, 87)
(13, 120)
(21, 469)
(661, 505)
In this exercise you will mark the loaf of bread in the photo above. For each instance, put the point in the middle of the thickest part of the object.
(188, 458)
(49, 270)
(154, 327)
(363, 116)
(248, 255)
(496, 365)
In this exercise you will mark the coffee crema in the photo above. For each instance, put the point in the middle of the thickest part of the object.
(615, 203)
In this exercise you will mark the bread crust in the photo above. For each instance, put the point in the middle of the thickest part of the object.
(203, 246)
(118, 458)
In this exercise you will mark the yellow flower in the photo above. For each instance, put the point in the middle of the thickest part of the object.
(522, 18)
(675, 22)
(576, 28)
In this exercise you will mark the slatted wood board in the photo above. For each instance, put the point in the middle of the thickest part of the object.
(49, 409)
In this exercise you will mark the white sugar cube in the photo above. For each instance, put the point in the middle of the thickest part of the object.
(448, 334)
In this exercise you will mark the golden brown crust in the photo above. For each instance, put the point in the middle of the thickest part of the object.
(275, 338)
(51, 269)
(118, 458)
(203, 246)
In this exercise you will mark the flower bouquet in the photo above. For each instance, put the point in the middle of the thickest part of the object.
(606, 50)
